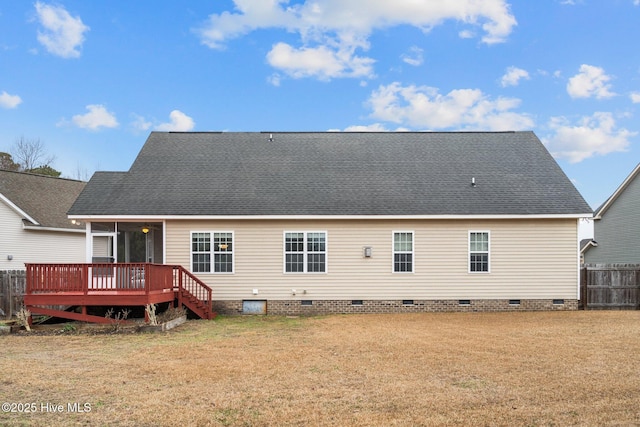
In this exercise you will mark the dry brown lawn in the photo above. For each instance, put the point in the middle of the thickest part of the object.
(529, 369)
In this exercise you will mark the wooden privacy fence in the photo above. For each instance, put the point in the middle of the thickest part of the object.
(12, 287)
(610, 286)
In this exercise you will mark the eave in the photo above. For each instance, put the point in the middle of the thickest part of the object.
(602, 209)
(54, 229)
(591, 244)
(323, 217)
(19, 211)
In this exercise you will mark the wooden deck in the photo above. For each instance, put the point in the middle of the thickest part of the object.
(109, 285)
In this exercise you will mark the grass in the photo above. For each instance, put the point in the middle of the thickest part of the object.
(529, 369)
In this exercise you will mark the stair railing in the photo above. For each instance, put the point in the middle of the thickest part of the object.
(185, 281)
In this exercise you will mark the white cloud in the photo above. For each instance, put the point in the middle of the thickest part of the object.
(139, 123)
(9, 101)
(592, 135)
(320, 62)
(274, 79)
(513, 76)
(590, 82)
(466, 34)
(635, 96)
(376, 127)
(414, 57)
(333, 30)
(423, 107)
(97, 117)
(180, 122)
(62, 34)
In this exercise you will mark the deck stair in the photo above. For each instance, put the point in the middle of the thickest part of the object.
(193, 293)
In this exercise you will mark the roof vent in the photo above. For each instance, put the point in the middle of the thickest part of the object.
(473, 182)
(270, 137)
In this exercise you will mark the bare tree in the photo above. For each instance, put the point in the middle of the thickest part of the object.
(30, 154)
(82, 174)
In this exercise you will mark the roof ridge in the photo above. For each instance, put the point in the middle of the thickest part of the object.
(346, 131)
(41, 175)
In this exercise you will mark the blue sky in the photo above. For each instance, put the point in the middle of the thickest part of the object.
(91, 79)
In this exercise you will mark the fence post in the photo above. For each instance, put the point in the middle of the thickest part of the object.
(10, 292)
(583, 288)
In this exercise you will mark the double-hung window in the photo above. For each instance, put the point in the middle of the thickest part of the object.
(212, 252)
(479, 252)
(305, 252)
(403, 252)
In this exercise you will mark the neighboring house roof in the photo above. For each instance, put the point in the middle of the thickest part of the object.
(585, 244)
(41, 200)
(607, 204)
(335, 174)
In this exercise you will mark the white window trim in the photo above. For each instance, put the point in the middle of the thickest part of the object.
(488, 252)
(305, 252)
(212, 252)
(413, 252)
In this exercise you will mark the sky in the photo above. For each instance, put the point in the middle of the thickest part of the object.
(92, 79)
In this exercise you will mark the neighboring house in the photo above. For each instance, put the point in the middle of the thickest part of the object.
(34, 227)
(616, 226)
(585, 245)
(321, 222)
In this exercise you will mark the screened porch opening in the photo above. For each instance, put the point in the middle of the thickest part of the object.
(126, 242)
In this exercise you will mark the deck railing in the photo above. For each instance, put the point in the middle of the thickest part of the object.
(118, 283)
(122, 277)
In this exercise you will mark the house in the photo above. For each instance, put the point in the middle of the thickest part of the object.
(616, 229)
(324, 222)
(33, 220)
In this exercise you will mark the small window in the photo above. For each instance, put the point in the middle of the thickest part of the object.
(212, 249)
(403, 252)
(478, 251)
(407, 302)
(356, 302)
(305, 252)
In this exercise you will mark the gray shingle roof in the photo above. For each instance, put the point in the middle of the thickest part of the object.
(336, 173)
(45, 199)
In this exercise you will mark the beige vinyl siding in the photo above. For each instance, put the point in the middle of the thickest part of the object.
(529, 259)
(34, 246)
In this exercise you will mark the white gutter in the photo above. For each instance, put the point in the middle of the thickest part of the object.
(318, 217)
(59, 230)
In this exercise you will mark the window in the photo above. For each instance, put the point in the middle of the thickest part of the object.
(223, 252)
(403, 252)
(478, 251)
(305, 252)
(207, 247)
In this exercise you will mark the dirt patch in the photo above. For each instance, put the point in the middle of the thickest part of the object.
(79, 328)
(569, 368)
